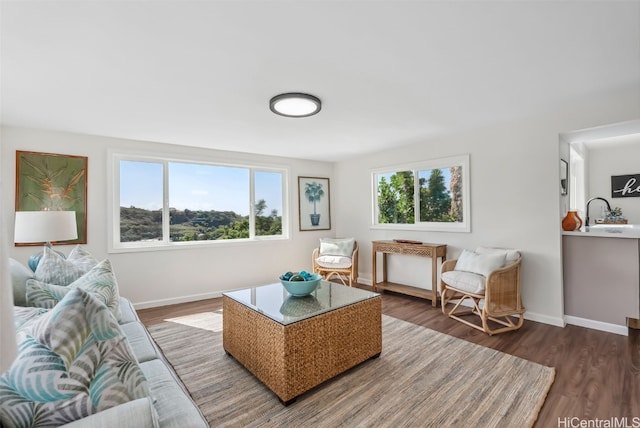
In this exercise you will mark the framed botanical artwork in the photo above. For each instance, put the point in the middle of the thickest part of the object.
(314, 204)
(48, 181)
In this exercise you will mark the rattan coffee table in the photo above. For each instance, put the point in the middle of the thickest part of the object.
(293, 344)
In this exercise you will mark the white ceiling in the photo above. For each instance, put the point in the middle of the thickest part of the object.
(622, 140)
(389, 73)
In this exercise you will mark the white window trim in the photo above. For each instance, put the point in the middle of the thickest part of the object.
(113, 191)
(464, 226)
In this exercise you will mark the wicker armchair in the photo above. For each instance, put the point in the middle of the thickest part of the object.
(336, 257)
(498, 290)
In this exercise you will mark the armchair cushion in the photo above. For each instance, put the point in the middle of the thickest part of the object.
(465, 281)
(334, 262)
(511, 255)
(481, 264)
(337, 247)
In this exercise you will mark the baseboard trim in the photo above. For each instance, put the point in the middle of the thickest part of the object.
(531, 316)
(597, 325)
(364, 281)
(545, 319)
(175, 300)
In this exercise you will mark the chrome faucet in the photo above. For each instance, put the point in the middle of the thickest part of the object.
(589, 202)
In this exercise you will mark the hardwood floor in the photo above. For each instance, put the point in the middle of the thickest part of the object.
(597, 373)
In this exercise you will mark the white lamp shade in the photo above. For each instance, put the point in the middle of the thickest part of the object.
(45, 226)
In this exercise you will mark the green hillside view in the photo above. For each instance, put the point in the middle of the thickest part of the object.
(138, 224)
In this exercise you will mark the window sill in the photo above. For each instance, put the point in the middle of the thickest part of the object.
(436, 227)
(194, 245)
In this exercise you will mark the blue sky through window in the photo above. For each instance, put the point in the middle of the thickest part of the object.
(197, 187)
(446, 174)
(208, 187)
(141, 185)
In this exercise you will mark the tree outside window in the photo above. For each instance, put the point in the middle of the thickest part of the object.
(440, 195)
(432, 195)
(395, 198)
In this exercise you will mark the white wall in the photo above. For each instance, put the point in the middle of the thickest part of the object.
(514, 198)
(514, 203)
(605, 161)
(152, 278)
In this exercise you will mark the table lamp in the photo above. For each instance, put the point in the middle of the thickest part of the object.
(46, 227)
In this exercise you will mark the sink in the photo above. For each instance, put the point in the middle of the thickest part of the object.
(613, 228)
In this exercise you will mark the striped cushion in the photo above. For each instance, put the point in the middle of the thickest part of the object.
(99, 281)
(55, 269)
(72, 362)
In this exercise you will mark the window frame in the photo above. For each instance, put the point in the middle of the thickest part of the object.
(416, 168)
(113, 183)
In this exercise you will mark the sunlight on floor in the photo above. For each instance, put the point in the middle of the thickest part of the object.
(205, 320)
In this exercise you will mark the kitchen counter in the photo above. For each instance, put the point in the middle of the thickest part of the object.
(608, 231)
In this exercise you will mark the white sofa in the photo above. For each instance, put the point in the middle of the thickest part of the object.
(169, 404)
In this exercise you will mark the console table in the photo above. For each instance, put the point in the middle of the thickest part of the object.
(432, 251)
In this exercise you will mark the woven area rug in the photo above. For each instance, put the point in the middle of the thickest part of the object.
(422, 379)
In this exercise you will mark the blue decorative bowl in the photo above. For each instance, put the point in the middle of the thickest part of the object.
(302, 288)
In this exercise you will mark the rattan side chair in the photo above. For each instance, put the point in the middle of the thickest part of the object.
(494, 297)
(341, 266)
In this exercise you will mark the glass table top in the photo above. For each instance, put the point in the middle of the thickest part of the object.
(276, 303)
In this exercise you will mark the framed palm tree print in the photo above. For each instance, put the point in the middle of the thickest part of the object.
(314, 204)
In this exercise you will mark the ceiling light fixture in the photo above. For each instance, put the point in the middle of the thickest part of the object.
(295, 104)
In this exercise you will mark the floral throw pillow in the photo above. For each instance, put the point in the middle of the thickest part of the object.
(56, 269)
(99, 281)
(72, 362)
